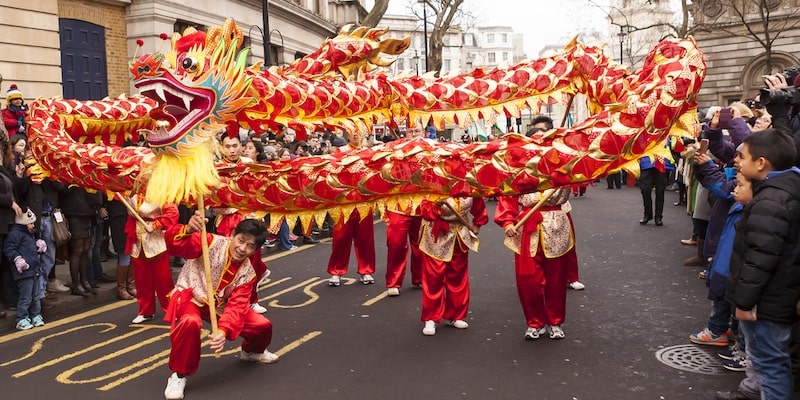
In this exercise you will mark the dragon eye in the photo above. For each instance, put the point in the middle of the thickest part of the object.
(144, 69)
(189, 64)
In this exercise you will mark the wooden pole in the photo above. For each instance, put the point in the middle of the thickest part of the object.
(545, 196)
(132, 211)
(210, 290)
(466, 223)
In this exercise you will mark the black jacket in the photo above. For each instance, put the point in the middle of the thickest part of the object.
(765, 264)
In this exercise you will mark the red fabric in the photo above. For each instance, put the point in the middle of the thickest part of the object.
(261, 268)
(361, 234)
(542, 285)
(184, 356)
(153, 280)
(541, 282)
(228, 222)
(445, 287)
(11, 122)
(400, 230)
(169, 217)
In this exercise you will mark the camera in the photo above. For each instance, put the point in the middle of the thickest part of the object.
(788, 95)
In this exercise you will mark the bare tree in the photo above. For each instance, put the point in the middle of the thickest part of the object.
(764, 21)
(441, 15)
(376, 13)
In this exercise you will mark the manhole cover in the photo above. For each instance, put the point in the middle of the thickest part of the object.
(692, 358)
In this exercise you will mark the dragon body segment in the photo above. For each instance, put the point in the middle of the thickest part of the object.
(200, 85)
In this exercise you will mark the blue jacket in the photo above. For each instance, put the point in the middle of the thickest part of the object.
(720, 266)
(719, 189)
(21, 242)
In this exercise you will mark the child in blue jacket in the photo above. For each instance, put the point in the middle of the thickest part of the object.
(23, 249)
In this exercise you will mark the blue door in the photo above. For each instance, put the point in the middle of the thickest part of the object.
(83, 60)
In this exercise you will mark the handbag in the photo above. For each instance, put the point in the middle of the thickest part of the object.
(61, 233)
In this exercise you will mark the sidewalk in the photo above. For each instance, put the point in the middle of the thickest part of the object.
(67, 304)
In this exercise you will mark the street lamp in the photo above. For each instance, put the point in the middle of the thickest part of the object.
(424, 30)
(416, 61)
(265, 19)
(621, 35)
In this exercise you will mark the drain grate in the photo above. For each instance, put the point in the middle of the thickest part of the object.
(692, 358)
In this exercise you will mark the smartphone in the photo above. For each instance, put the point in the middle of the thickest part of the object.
(703, 146)
(725, 115)
(16, 158)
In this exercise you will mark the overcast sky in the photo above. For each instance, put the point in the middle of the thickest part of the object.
(542, 22)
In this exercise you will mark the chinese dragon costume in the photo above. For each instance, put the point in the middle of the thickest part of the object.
(202, 83)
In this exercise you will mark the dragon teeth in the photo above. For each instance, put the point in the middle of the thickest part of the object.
(160, 92)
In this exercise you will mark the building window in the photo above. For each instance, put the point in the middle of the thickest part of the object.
(469, 40)
(504, 38)
(506, 56)
(446, 65)
(400, 64)
(490, 38)
(492, 58)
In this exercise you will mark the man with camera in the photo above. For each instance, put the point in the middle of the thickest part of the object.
(781, 98)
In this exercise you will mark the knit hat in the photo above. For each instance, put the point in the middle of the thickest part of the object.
(13, 93)
(28, 217)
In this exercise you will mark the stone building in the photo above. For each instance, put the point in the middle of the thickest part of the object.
(81, 48)
(737, 62)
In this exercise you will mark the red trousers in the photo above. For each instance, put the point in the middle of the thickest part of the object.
(184, 356)
(400, 230)
(261, 269)
(572, 272)
(153, 279)
(542, 288)
(361, 233)
(445, 287)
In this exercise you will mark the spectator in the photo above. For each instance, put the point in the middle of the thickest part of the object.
(254, 150)
(763, 284)
(22, 249)
(9, 209)
(15, 113)
(81, 209)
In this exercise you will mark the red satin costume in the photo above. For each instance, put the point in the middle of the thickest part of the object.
(402, 229)
(186, 314)
(361, 233)
(445, 279)
(541, 280)
(152, 274)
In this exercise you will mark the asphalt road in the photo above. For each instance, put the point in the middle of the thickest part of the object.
(626, 334)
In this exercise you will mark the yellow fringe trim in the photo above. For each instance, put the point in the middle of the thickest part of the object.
(178, 179)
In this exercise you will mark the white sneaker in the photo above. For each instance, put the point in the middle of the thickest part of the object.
(55, 285)
(577, 286)
(334, 281)
(258, 308)
(459, 323)
(556, 332)
(393, 291)
(141, 318)
(175, 386)
(367, 279)
(534, 333)
(429, 329)
(264, 358)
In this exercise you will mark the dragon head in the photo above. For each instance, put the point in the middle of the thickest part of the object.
(199, 84)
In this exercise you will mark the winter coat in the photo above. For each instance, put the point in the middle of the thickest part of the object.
(765, 263)
(720, 266)
(719, 193)
(21, 242)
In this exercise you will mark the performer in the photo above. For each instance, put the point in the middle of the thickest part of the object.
(545, 251)
(233, 278)
(149, 257)
(228, 218)
(359, 231)
(402, 227)
(445, 240)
